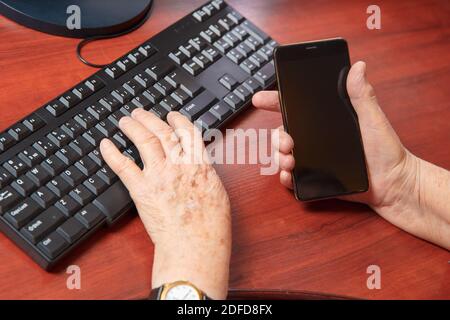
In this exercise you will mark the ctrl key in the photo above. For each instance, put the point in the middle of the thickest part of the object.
(53, 245)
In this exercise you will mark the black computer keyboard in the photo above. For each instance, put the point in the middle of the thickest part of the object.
(55, 188)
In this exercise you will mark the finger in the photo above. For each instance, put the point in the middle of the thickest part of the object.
(282, 141)
(267, 100)
(167, 137)
(128, 172)
(145, 141)
(286, 162)
(190, 137)
(286, 179)
(362, 96)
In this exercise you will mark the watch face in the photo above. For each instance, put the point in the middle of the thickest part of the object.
(182, 292)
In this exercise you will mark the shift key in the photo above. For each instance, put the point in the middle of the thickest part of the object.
(43, 224)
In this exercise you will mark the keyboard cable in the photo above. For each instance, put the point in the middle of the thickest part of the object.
(87, 40)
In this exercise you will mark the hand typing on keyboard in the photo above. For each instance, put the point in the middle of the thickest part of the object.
(182, 203)
(405, 190)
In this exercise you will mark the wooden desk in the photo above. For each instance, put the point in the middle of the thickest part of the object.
(278, 242)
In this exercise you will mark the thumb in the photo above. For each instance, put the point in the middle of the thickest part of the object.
(362, 96)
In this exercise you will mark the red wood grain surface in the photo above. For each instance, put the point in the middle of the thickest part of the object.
(279, 243)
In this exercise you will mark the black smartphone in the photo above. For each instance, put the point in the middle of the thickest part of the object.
(317, 113)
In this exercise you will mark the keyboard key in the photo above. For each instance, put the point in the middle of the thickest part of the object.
(153, 95)
(128, 108)
(98, 111)
(209, 35)
(53, 245)
(198, 105)
(82, 195)
(252, 85)
(58, 186)
(125, 64)
(235, 16)
(107, 175)
(243, 93)
(222, 45)
(30, 156)
(45, 146)
(219, 4)
(38, 175)
(248, 66)
(160, 69)
(209, 9)
(110, 103)
(23, 185)
(5, 177)
(68, 206)
(231, 38)
(252, 43)
(212, 54)
(73, 176)
(90, 216)
(141, 101)
(44, 197)
(163, 87)
(93, 136)
(240, 32)
(115, 117)
(86, 165)
(159, 111)
(42, 225)
(114, 72)
(72, 128)
(85, 119)
(188, 49)
(71, 230)
(106, 127)
(218, 29)
(67, 155)
(82, 91)
(255, 32)
(23, 213)
(266, 74)
(133, 153)
(198, 43)
(180, 96)
(122, 139)
(200, 15)
(95, 184)
(234, 101)
(114, 201)
(207, 121)
(202, 60)
(221, 111)
(192, 67)
(147, 49)
(144, 79)
(122, 95)
(94, 83)
(170, 104)
(257, 59)
(227, 23)
(15, 166)
(6, 141)
(69, 99)
(33, 122)
(244, 49)
(81, 146)
(136, 56)
(96, 156)
(133, 87)
(19, 131)
(228, 81)
(178, 57)
(8, 198)
(59, 137)
(236, 56)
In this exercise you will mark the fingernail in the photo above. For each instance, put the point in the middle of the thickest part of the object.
(105, 143)
(124, 120)
(136, 112)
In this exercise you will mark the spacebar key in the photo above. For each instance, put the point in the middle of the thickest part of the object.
(114, 201)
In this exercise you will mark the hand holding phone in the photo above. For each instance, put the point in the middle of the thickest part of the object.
(318, 114)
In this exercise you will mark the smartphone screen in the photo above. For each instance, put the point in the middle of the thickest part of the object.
(317, 113)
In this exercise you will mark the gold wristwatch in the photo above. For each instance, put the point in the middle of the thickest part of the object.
(178, 290)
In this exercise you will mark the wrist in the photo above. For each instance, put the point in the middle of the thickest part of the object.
(203, 263)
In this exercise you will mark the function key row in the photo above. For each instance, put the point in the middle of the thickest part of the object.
(19, 131)
(131, 60)
(208, 10)
(74, 96)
